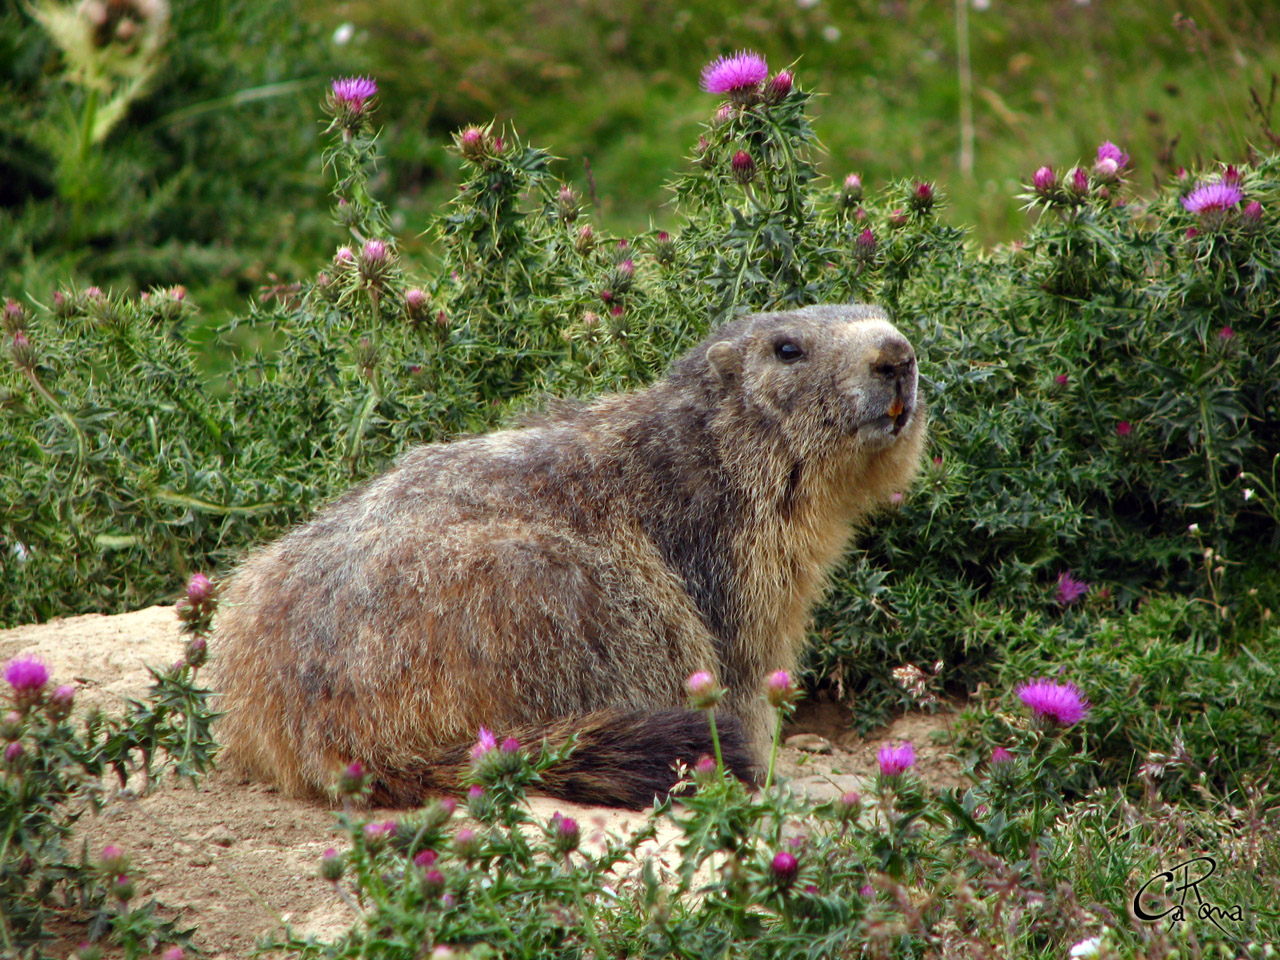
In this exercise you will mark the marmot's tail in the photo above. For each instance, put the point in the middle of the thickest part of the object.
(623, 758)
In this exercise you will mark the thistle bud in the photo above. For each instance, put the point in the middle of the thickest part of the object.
(565, 834)
(122, 888)
(415, 305)
(864, 248)
(1045, 182)
(466, 845)
(433, 883)
(14, 317)
(332, 865)
(1078, 184)
(13, 753)
(568, 204)
(196, 652)
(784, 869)
(473, 142)
(352, 780)
(703, 690)
(664, 248)
(922, 197)
(61, 701)
(779, 690)
(779, 86)
(743, 167)
(704, 770)
(24, 354)
(11, 726)
(586, 239)
(851, 190)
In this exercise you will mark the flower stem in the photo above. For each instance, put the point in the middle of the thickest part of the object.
(773, 753)
(715, 742)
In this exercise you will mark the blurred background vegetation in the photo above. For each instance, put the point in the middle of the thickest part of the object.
(209, 178)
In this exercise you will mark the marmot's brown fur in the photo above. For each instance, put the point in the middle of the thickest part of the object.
(569, 576)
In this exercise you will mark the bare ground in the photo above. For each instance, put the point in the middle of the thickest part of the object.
(237, 860)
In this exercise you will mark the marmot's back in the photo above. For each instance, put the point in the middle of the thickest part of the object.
(575, 573)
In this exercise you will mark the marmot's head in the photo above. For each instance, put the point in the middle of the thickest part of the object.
(830, 380)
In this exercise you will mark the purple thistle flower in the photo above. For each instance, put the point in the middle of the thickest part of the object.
(867, 891)
(1063, 703)
(425, 858)
(743, 167)
(1069, 589)
(743, 70)
(896, 760)
(354, 91)
(1109, 151)
(1000, 756)
(485, 741)
(1079, 181)
(26, 674)
(1252, 211)
(1212, 198)
(1226, 334)
(13, 752)
(705, 767)
(510, 745)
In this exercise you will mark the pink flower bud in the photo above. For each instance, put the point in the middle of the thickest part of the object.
(779, 689)
(784, 868)
(702, 690)
(780, 85)
(1045, 181)
(743, 167)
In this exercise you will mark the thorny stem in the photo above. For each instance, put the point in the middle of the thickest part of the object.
(82, 442)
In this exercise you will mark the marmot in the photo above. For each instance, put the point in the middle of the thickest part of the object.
(568, 576)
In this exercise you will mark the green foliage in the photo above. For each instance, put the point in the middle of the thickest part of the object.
(175, 155)
(52, 774)
(1103, 396)
(1004, 868)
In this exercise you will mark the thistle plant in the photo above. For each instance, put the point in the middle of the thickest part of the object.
(54, 762)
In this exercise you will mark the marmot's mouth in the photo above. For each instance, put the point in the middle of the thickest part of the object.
(898, 416)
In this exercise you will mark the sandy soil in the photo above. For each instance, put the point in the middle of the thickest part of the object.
(237, 860)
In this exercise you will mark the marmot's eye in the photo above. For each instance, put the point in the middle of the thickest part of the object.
(788, 351)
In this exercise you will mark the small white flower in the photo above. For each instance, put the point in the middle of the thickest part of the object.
(1248, 493)
(342, 36)
(831, 33)
(1194, 528)
(1087, 948)
(982, 4)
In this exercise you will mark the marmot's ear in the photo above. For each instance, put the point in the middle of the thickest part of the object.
(725, 362)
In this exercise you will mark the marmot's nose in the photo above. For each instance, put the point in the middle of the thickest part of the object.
(895, 360)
